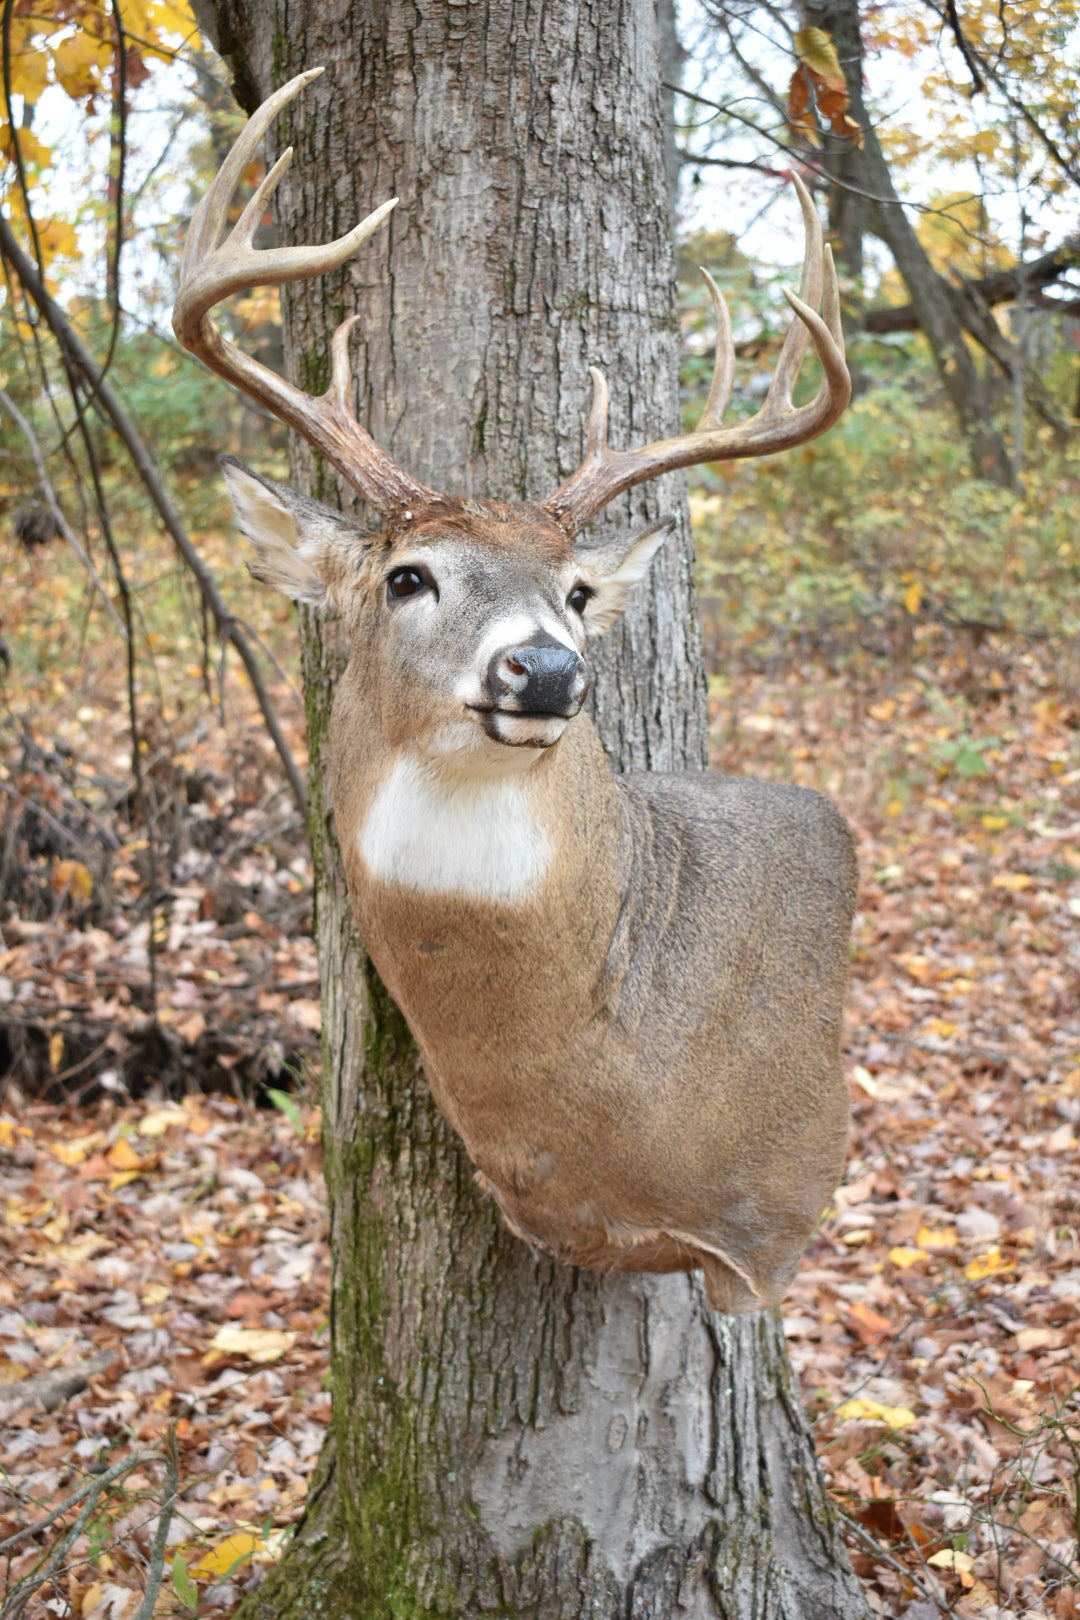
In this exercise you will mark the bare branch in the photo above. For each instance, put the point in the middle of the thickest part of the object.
(8, 404)
(107, 402)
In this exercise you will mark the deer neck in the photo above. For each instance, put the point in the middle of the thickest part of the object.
(529, 847)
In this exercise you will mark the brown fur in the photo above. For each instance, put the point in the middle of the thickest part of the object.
(643, 1060)
(641, 1050)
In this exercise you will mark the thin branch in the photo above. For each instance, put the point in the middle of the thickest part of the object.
(168, 1506)
(8, 404)
(693, 161)
(806, 162)
(107, 402)
(978, 83)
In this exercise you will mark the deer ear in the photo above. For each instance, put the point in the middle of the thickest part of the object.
(299, 543)
(614, 571)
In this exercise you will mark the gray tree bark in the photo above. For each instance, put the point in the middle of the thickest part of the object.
(509, 1437)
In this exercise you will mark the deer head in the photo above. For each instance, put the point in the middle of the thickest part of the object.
(476, 613)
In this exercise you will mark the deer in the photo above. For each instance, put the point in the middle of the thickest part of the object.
(626, 990)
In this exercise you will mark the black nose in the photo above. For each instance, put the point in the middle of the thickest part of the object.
(539, 679)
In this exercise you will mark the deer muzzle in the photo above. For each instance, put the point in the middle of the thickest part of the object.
(539, 678)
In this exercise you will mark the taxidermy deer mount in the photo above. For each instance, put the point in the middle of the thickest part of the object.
(626, 990)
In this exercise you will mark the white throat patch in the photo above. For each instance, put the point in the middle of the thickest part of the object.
(433, 831)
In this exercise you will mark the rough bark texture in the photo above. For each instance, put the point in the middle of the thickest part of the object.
(509, 1437)
(867, 169)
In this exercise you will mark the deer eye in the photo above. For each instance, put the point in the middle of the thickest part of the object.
(405, 582)
(578, 598)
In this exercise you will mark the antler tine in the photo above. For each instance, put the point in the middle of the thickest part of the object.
(778, 399)
(212, 214)
(605, 473)
(723, 377)
(214, 264)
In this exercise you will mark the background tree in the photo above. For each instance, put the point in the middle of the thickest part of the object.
(510, 1434)
(806, 67)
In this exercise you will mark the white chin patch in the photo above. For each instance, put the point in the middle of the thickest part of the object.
(527, 730)
(429, 829)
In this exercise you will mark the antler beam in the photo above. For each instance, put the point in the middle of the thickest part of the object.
(605, 473)
(214, 265)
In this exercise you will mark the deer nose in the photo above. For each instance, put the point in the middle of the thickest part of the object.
(539, 679)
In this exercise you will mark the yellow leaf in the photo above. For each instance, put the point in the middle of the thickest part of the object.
(947, 1558)
(33, 153)
(904, 1257)
(172, 19)
(257, 1344)
(79, 62)
(884, 710)
(58, 240)
(123, 1156)
(991, 1264)
(1013, 881)
(867, 1411)
(941, 1027)
(56, 1050)
(235, 1549)
(29, 63)
(994, 823)
(943, 1238)
(815, 48)
(73, 1153)
(913, 596)
(11, 1372)
(159, 1120)
(123, 1178)
(55, 1229)
(71, 877)
(155, 1294)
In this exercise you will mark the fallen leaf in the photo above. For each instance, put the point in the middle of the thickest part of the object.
(235, 1549)
(943, 1238)
(1040, 1339)
(123, 1156)
(905, 1257)
(866, 1324)
(949, 1558)
(991, 1264)
(867, 1411)
(160, 1120)
(1013, 881)
(257, 1344)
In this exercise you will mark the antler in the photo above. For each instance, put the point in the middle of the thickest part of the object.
(605, 473)
(212, 268)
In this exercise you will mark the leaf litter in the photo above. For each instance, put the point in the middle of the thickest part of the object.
(165, 1259)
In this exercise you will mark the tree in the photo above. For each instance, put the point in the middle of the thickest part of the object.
(509, 1436)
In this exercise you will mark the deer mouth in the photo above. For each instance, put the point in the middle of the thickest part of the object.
(521, 728)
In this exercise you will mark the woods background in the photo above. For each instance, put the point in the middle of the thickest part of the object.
(890, 614)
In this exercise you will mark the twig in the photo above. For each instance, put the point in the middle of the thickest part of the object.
(8, 404)
(978, 83)
(98, 1483)
(157, 1552)
(106, 400)
(16, 1604)
(879, 1552)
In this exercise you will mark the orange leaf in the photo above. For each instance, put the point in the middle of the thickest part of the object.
(866, 1324)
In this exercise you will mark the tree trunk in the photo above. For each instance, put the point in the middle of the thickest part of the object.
(509, 1437)
(866, 169)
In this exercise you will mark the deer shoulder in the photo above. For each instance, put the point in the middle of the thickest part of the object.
(627, 992)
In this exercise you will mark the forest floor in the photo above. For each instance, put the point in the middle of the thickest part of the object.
(164, 1234)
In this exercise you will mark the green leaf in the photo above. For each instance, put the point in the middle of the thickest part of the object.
(183, 1585)
(285, 1104)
